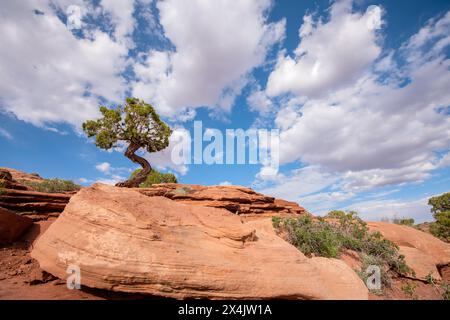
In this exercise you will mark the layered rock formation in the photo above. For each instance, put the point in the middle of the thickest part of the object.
(22, 199)
(36, 205)
(123, 240)
(7, 181)
(236, 199)
(22, 176)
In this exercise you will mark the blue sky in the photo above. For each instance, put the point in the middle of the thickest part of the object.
(359, 91)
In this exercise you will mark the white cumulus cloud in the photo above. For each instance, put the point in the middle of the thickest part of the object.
(330, 54)
(47, 74)
(212, 56)
(103, 167)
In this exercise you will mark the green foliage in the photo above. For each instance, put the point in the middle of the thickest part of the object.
(440, 203)
(440, 207)
(324, 238)
(368, 260)
(444, 287)
(338, 214)
(52, 185)
(276, 221)
(312, 237)
(410, 290)
(430, 279)
(403, 221)
(446, 291)
(155, 177)
(137, 123)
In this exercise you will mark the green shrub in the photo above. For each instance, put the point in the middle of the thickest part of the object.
(444, 287)
(52, 185)
(410, 290)
(324, 238)
(440, 228)
(312, 237)
(368, 260)
(155, 177)
(276, 221)
(430, 279)
(440, 207)
(446, 291)
(403, 221)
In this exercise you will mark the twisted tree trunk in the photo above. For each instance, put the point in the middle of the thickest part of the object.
(140, 177)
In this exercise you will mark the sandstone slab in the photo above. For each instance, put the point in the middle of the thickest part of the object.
(422, 263)
(12, 226)
(410, 237)
(125, 241)
(423, 252)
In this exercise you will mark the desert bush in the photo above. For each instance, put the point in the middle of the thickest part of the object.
(404, 221)
(155, 177)
(440, 207)
(430, 279)
(445, 291)
(368, 260)
(324, 238)
(312, 237)
(443, 287)
(52, 185)
(410, 290)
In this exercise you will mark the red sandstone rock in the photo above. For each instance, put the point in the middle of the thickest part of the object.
(423, 252)
(7, 181)
(125, 241)
(19, 175)
(236, 199)
(12, 226)
(422, 263)
(37, 205)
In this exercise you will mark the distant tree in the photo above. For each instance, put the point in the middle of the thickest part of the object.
(404, 221)
(155, 177)
(338, 214)
(138, 124)
(440, 207)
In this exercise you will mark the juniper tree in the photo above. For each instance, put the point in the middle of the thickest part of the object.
(440, 207)
(136, 123)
